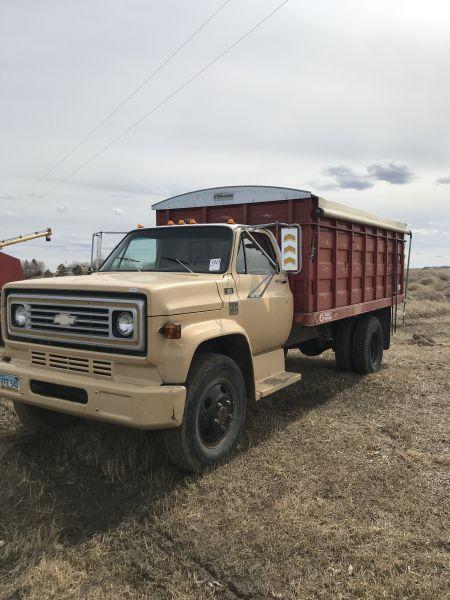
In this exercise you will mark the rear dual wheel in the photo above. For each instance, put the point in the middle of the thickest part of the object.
(214, 414)
(343, 345)
(368, 346)
(358, 345)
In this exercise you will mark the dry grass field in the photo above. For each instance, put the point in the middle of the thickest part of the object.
(340, 489)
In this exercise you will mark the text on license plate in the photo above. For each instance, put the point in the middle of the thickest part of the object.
(9, 382)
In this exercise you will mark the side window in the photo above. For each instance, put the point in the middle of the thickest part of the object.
(250, 259)
(240, 261)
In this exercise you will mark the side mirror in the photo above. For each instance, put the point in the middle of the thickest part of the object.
(291, 249)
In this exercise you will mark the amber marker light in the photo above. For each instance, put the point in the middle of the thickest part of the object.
(181, 222)
(140, 226)
(170, 222)
(171, 331)
(192, 222)
(231, 221)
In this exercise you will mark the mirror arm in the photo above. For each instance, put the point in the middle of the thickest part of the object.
(267, 279)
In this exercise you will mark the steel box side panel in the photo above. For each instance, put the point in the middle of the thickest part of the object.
(345, 263)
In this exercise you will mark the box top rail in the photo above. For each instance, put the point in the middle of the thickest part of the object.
(252, 194)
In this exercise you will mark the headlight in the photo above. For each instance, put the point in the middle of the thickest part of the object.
(19, 315)
(123, 324)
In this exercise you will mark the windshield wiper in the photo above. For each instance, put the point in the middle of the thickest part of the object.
(180, 262)
(132, 260)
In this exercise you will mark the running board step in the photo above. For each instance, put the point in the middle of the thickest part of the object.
(276, 382)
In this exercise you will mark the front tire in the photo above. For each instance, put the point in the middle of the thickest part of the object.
(41, 420)
(214, 414)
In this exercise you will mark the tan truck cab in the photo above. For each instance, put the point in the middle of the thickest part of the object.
(180, 328)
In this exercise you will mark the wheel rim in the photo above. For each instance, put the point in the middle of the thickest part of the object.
(374, 349)
(216, 414)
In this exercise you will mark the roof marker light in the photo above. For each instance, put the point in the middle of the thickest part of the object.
(170, 222)
(192, 222)
(231, 221)
(181, 222)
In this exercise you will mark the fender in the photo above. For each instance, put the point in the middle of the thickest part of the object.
(173, 357)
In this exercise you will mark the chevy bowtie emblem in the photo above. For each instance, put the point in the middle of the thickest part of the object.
(64, 319)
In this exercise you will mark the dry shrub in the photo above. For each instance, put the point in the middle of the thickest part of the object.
(425, 309)
(433, 281)
(429, 290)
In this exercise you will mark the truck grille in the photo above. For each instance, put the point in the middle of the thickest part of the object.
(57, 317)
(75, 364)
(76, 320)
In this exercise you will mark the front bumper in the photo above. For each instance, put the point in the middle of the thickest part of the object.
(137, 406)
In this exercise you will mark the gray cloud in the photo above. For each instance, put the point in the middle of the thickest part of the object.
(63, 207)
(394, 173)
(11, 213)
(345, 178)
(443, 180)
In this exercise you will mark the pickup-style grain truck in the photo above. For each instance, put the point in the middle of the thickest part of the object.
(188, 321)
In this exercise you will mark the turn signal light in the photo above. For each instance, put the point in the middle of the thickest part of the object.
(171, 331)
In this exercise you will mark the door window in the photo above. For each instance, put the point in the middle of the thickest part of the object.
(251, 259)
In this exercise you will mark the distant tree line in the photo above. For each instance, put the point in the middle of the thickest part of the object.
(33, 269)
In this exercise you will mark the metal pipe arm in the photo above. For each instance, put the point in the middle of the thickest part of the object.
(47, 233)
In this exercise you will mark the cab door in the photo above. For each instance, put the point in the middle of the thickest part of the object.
(265, 298)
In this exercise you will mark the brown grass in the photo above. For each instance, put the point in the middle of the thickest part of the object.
(339, 490)
(428, 293)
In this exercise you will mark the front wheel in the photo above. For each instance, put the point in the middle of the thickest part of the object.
(214, 414)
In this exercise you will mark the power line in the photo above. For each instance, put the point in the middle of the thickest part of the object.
(159, 105)
(131, 95)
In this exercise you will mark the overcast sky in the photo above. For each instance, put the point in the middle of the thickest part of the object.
(350, 100)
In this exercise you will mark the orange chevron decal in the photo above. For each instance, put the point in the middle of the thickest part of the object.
(289, 260)
(289, 236)
(290, 249)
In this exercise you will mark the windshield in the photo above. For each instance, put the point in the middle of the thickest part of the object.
(173, 249)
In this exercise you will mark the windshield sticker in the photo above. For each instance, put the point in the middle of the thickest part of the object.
(214, 264)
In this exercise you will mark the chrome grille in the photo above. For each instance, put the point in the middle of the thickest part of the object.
(77, 320)
(56, 317)
(75, 364)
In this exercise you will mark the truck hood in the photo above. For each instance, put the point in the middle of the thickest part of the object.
(167, 293)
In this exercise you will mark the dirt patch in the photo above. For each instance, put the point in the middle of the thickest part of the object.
(422, 339)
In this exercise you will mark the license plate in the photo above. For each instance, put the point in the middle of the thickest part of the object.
(9, 382)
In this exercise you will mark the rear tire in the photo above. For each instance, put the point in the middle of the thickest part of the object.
(368, 346)
(343, 345)
(41, 420)
(214, 414)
